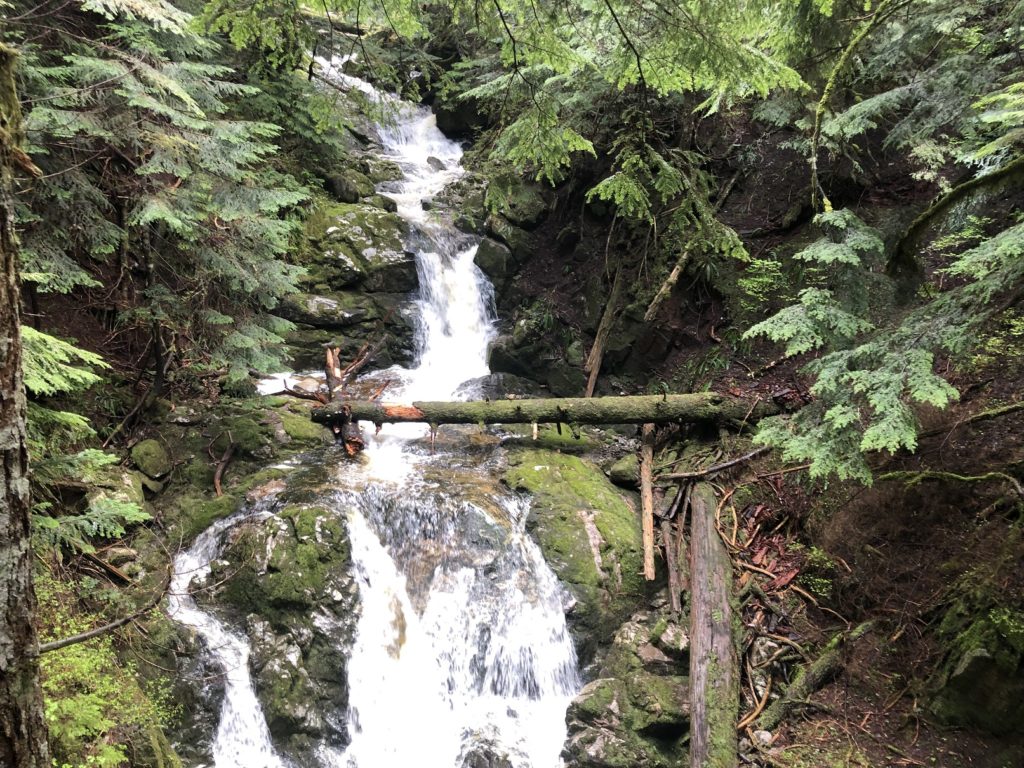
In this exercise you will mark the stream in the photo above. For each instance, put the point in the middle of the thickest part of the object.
(461, 656)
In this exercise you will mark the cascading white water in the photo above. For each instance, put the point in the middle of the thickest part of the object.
(461, 658)
(242, 739)
(474, 665)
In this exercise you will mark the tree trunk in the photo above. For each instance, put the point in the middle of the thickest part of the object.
(22, 727)
(703, 407)
(714, 668)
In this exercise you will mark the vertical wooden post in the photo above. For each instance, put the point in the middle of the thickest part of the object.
(647, 497)
(714, 668)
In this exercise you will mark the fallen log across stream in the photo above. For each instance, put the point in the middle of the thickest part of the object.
(641, 409)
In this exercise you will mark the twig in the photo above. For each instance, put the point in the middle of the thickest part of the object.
(222, 465)
(55, 645)
(716, 468)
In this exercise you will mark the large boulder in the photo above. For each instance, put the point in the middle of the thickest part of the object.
(982, 680)
(590, 536)
(357, 244)
(288, 575)
(334, 310)
(636, 712)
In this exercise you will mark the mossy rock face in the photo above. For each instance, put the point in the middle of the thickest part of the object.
(523, 203)
(357, 244)
(463, 199)
(637, 711)
(300, 428)
(589, 535)
(333, 310)
(151, 458)
(626, 471)
(379, 169)
(348, 186)
(383, 202)
(520, 242)
(983, 680)
(117, 484)
(280, 572)
(494, 260)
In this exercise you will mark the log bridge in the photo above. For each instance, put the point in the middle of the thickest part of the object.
(641, 409)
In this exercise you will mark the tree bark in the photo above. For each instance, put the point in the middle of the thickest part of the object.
(22, 727)
(642, 409)
(714, 668)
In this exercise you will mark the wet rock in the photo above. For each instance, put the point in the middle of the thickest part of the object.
(589, 536)
(282, 683)
(357, 244)
(151, 458)
(290, 575)
(379, 169)
(334, 310)
(494, 260)
(499, 386)
(485, 754)
(199, 695)
(637, 711)
(626, 471)
(383, 202)
(436, 163)
(463, 199)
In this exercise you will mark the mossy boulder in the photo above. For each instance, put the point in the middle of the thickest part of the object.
(523, 203)
(626, 471)
(288, 576)
(637, 711)
(379, 169)
(589, 535)
(340, 309)
(357, 244)
(463, 200)
(494, 260)
(348, 186)
(983, 677)
(151, 458)
(520, 243)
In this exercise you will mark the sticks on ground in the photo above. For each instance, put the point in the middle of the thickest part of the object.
(810, 678)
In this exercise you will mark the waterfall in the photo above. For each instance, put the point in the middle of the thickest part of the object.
(242, 739)
(462, 657)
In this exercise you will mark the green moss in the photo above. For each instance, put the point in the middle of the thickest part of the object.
(192, 513)
(152, 458)
(603, 565)
(302, 430)
(308, 547)
(251, 438)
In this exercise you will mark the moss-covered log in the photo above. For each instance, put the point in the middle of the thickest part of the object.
(714, 667)
(706, 407)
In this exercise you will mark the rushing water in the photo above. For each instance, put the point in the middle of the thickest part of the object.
(461, 655)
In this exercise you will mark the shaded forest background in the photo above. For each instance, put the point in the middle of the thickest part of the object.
(814, 203)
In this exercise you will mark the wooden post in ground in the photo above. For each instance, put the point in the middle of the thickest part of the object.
(714, 667)
(647, 497)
